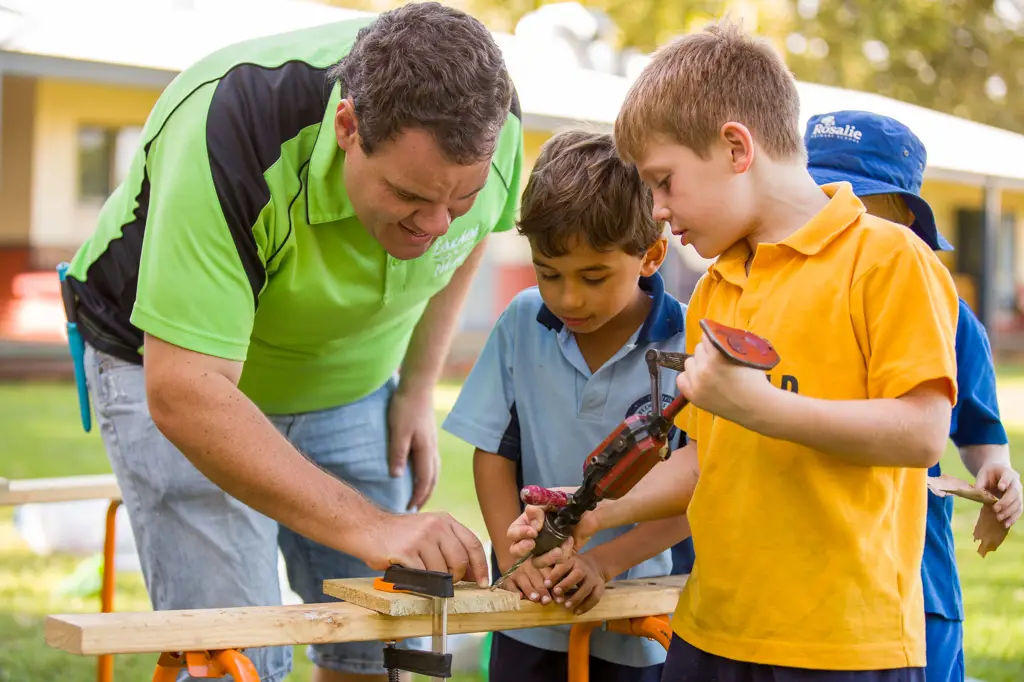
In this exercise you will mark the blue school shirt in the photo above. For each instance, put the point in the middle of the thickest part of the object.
(531, 397)
(975, 421)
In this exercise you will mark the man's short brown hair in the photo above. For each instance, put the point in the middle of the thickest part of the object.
(581, 192)
(424, 65)
(697, 83)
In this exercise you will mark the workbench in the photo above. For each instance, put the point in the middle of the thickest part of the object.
(217, 638)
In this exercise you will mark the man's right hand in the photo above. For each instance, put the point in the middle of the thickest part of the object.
(433, 541)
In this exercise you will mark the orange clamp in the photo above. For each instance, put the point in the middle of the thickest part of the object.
(384, 586)
(206, 664)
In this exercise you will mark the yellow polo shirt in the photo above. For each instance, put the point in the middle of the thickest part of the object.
(803, 560)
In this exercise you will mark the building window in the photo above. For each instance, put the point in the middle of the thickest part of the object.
(95, 163)
(104, 157)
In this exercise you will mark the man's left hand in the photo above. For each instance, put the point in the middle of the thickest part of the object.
(1000, 479)
(412, 439)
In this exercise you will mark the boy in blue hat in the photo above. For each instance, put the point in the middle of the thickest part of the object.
(884, 162)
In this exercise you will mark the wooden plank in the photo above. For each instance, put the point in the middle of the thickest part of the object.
(92, 634)
(469, 598)
(64, 489)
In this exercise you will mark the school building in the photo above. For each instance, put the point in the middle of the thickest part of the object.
(77, 81)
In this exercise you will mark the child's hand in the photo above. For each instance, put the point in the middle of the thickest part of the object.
(578, 584)
(528, 582)
(1000, 479)
(523, 532)
(715, 384)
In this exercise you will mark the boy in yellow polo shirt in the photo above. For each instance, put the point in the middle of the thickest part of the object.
(809, 518)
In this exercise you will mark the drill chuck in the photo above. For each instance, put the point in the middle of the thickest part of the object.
(550, 536)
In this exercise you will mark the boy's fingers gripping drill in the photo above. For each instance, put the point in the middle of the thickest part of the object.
(524, 530)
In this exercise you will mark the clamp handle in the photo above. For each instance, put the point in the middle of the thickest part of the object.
(426, 663)
(415, 581)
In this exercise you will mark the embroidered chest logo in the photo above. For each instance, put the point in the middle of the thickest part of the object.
(642, 407)
(450, 252)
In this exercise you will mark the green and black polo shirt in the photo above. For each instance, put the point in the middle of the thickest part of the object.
(233, 236)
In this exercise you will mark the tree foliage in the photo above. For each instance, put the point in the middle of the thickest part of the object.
(963, 57)
(957, 56)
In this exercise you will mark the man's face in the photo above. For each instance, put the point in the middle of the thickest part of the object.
(704, 200)
(406, 193)
(586, 289)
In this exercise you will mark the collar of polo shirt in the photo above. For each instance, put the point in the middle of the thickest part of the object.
(326, 198)
(842, 211)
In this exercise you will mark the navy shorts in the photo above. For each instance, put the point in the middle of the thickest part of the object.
(686, 663)
(513, 661)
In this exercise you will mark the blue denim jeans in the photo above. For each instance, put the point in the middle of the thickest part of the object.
(201, 548)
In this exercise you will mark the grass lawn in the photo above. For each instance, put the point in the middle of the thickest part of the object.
(42, 436)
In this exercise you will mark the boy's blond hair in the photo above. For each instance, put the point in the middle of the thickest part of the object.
(697, 83)
(580, 191)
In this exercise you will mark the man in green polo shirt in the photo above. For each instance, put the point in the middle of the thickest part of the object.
(303, 217)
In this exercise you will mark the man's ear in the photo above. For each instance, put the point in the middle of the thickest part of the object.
(739, 143)
(654, 257)
(345, 125)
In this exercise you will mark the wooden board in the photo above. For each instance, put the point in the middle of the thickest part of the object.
(65, 489)
(92, 634)
(469, 598)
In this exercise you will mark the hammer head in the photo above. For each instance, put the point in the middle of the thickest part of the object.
(741, 346)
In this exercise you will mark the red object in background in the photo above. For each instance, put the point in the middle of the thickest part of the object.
(31, 308)
(511, 279)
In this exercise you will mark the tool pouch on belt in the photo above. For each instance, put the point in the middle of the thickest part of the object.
(76, 345)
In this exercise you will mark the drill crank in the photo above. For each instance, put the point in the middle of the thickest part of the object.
(638, 443)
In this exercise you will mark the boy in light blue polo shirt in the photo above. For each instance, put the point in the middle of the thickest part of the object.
(562, 368)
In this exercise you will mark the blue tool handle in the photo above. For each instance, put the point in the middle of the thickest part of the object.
(76, 346)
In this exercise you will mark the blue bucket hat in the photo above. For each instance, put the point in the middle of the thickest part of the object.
(877, 155)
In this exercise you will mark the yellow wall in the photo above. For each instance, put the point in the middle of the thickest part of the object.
(59, 219)
(946, 199)
(532, 142)
(19, 95)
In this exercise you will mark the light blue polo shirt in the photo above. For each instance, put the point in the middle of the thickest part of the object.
(531, 397)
